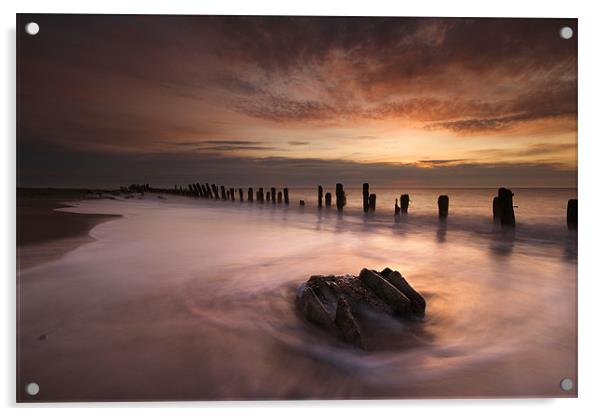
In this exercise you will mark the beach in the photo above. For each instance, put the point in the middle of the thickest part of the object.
(187, 299)
(43, 232)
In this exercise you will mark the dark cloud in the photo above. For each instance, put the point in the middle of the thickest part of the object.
(441, 161)
(431, 57)
(227, 148)
(297, 143)
(285, 109)
(47, 167)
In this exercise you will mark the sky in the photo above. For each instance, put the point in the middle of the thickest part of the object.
(104, 101)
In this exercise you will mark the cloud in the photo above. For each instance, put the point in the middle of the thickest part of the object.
(49, 166)
(441, 162)
(178, 83)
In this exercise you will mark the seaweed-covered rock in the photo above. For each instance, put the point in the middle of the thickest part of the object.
(355, 307)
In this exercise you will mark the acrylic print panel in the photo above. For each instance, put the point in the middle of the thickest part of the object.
(182, 178)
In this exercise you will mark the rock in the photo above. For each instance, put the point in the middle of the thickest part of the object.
(313, 309)
(417, 302)
(345, 322)
(355, 308)
(386, 291)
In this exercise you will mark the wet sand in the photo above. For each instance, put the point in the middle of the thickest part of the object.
(45, 234)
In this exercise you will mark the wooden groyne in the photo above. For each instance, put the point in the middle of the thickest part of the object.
(502, 203)
(443, 205)
(571, 213)
(503, 208)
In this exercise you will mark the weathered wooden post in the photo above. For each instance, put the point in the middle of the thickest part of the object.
(203, 191)
(250, 195)
(301, 203)
(443, 203)
(320, 193)
(280, 197)
(366, 196)
(267, 196)
(286, 196)
(199, 189)
(273, 192)
(260, 195)
(232, 194)
(571, 213)
(397, 209)
(190, 190)
(215, 191)
(404, 201)
(328, 199)
(224, 196)
(209, 193)
(240, 194)
(340, 194)
(372, 203)
(503, 208)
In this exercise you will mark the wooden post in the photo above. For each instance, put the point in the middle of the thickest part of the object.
(286, 196)
(224, 196)
(208, 188)
(366, 196)
(372, 203)
(340, 194)
(190, 190)
(503, 209)
(443, 203)
(280, 197)
(273, 192)
(240, 194)
(260, 195)
(328, 199)
(267, 196)
(301, 203)
(215, 191)
(198, 189)
(404, 201)
(571, 213)
(320, 192)
(397, 209)
(250, 195)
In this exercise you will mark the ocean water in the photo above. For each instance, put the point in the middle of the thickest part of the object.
(187, 299)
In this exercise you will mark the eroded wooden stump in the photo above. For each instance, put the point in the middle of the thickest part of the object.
(404, 201)
(503, 208)
(443, 204)
(571, 213)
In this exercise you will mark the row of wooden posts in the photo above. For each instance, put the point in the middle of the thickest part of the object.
(503, 207)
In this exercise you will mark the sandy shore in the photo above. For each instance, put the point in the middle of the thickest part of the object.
(45, 234)
(151, 311)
